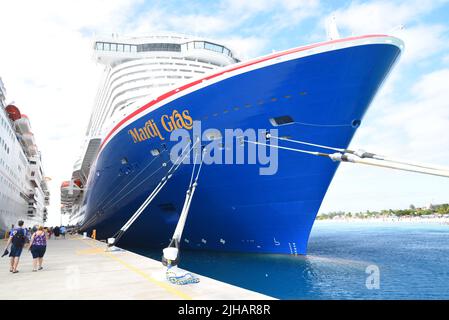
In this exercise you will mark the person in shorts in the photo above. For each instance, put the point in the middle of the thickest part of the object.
(17, 238)
(38, 246)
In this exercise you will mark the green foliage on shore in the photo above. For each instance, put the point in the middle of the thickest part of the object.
(412, 211)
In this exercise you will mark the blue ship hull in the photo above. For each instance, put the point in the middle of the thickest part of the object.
(235, 208)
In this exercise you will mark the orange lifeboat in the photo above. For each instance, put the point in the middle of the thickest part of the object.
(13, 112)
(78, 183)
(65, 184)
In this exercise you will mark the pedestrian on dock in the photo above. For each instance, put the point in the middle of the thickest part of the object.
(50, 231)
(38, 246)
(56, 232)
(17, 239)
(63, 231)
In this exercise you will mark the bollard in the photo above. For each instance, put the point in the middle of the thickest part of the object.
(94, 234)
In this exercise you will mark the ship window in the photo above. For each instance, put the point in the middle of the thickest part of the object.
(99, 46)
(133, 48)
(281, 121)
(113, 47)
(127, 48)
(107, 46)
(213, 47)
(199, 45)
(167, 207)
(120, 47)
(159, 47)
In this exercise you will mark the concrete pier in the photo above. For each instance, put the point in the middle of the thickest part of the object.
(76, 268)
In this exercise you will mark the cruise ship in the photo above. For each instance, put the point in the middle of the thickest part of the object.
(24, 193)
(156, 84)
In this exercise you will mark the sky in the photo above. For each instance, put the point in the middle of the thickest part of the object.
(47, 67)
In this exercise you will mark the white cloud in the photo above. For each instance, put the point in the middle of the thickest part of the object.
(232, 19)
(414, 129)
(384, 17)
(424, 117)
(446, 59)
(423, 41)
(46, 65)
(245, 47)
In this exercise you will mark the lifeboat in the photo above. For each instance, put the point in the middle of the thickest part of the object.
(78, 183)
(65, 184)
(23, 124)
(68, 191)
(13, 112)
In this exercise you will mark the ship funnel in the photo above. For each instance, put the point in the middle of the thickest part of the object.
(331, 29)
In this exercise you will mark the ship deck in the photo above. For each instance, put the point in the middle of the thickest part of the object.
(77, 268)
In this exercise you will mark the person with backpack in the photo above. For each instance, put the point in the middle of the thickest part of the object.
(56, 232)
(17, 238)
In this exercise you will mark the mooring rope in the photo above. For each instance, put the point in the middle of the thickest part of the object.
(365, 158)
(153, 194)
(107, 200)
(186, 278)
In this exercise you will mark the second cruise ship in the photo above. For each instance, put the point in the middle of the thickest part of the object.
(24, 193)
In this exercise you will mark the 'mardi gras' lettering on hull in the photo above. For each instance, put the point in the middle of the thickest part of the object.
(169, 122)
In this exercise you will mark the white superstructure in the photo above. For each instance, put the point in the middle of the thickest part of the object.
(136, 70)
(24, 192)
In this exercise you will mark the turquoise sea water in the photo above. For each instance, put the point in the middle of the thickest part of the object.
(412, 260)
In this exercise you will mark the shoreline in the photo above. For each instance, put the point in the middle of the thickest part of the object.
(433, 220)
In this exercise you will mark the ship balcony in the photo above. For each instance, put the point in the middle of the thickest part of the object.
(31, 212)
(44, 185)
(35, 178)
(26, 197)
(32, 194)
(66, 200)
